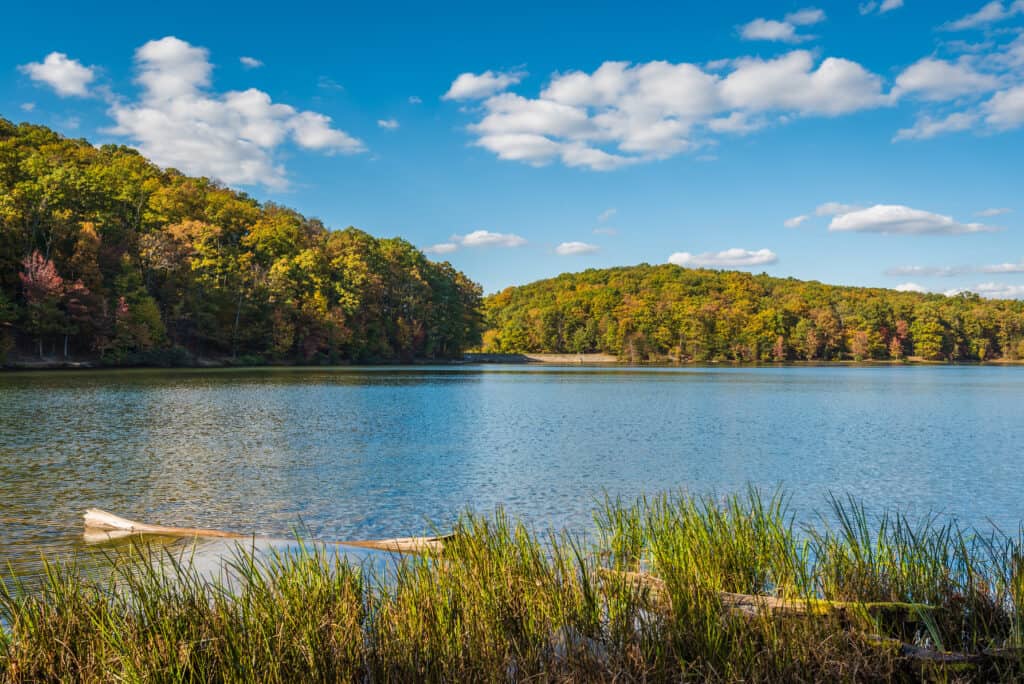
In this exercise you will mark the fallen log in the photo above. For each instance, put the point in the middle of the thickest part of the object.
(756, 604)
(99, 523)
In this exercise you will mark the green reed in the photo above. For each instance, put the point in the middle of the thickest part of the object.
(506, 603)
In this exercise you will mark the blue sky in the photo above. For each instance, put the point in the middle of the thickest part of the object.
(527, 141)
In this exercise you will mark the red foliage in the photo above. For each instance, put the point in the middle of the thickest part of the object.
(40, 278)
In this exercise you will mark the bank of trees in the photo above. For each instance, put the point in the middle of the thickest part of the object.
(104, 254)
(658, 312)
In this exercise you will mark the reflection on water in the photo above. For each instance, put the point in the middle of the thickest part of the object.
(379, 452)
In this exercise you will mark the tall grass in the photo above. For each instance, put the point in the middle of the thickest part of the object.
(505, 603)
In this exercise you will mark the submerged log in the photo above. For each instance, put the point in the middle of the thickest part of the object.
(99, 523)
(99, 520)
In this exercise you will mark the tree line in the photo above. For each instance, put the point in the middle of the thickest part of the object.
(105, 255)
(666, 312)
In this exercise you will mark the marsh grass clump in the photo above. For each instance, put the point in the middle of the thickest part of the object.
(676, 588)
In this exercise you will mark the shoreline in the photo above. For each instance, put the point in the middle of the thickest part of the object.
(471, 359)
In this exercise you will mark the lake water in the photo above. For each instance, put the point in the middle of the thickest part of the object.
(359, 453)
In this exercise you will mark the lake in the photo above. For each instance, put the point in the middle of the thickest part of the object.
(355, 453)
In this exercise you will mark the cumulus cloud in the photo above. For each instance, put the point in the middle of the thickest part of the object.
(883, 7)
(940, 80)
(1004, 268)
(1006, 108)
(250, 62)
(606, 214)
(926, 127)
(177, 121)
(729, 258)
(782, 31)
(994, 211)
(795, 222)
(999, 291)
(950, 271)
(441, 248)
(27, 106)
(485, 238)
(909, 287)
(68, 77)
(575, 248)
(897, 219)
(388, 124)
(478, 238)
(835, 208)
(770, 29)
(622, 113)
(470, 86)
(415, 100)
(990, 13)
(992, 69)
(927, 271)
(806, 17)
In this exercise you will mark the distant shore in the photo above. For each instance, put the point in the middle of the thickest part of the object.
(471, 358)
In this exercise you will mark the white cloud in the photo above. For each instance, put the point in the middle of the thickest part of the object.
(1006, 108)
(950, 271)
(909, 287)
(470, 86)
(250, 62)
(926, 127)
(999, 291)
(441, 248)
(990, 13)
(927, 271)
(606, 214)
(1003, 268)
(792, 83)
(896, 219)
(993, 68)
(885, 6)
(729, 258)
(782, 31)
(575, 248)
(313, 131)
(415, 100)
(770, 29)
(622, 114)
(835, 208)
(795, 222)
(605, 231)
(27, 106)
(68, 77)
(995, 211)
(389, 124)
(485, 238)
(806, 17)
(178, 122)
(939, 80)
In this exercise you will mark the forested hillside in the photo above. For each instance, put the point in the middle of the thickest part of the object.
(650, 312)
(104, 255)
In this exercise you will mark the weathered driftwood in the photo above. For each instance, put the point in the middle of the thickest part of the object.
(98, 523)
(756, 604)
(752, 605)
